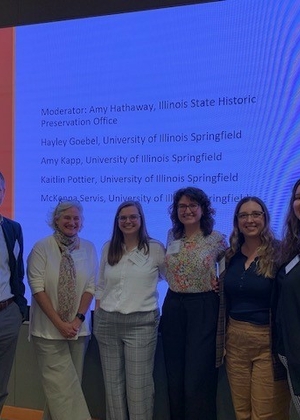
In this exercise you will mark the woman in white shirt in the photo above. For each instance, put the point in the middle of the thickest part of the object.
(127, 314)
(61, 273)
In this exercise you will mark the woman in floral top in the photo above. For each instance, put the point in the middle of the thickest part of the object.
(190, 309)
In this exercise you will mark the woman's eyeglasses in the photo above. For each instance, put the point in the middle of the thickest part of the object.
(192, 207)
(254, 215)
(131, 217)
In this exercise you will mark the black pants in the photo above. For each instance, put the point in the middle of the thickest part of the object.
(188, 325)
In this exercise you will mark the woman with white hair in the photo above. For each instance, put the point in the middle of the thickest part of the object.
(61, 273)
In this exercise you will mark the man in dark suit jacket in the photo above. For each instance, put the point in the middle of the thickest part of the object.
(13, 304)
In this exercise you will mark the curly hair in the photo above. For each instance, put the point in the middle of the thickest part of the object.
(291, 231)
(195, 194)
(269, 249)
(116, 246)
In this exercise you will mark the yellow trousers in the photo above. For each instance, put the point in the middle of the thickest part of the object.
(255, 394)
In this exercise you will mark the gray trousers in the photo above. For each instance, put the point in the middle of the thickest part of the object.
(127, 346)
(10, 322)
(61, 366)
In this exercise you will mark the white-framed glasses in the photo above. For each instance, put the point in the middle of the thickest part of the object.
(192, 207)
(131, 217)
(254, 215)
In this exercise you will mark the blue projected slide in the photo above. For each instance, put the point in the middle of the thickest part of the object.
(137, 105)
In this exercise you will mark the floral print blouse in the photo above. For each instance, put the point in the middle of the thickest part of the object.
(193, 268)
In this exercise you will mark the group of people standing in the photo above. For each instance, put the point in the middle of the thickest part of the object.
(239, 303)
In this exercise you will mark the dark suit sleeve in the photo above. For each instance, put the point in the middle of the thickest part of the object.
(14, 241)
(19, 291)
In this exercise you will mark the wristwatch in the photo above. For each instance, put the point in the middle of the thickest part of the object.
(80, 316)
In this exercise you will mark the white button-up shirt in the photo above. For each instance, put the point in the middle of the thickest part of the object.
(131, 284)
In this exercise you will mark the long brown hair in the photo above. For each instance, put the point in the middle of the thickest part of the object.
(267, 252)
(291, 231)
(116, 246)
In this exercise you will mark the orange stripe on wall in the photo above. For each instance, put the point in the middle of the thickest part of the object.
(6, 116)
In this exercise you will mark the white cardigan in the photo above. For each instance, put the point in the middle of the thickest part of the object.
(43, 270)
